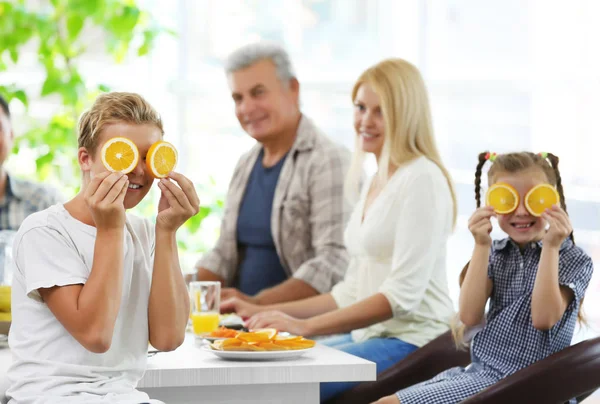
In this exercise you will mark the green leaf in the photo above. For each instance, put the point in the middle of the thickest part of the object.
(149, 37)
(43, 160)
(121, 51)
(51, 85)
(123, 23)
(74, 25)
(21, 96)
(104, 88)
(14, 55)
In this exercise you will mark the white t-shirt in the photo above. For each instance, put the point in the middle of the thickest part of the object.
(49, 366)
(399, 250)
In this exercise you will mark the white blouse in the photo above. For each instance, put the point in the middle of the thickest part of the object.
(399, 250)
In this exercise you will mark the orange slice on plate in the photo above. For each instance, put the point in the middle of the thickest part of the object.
(540, 198)
(503, 198)
(262, 335)
(120, 154)
(161, 159)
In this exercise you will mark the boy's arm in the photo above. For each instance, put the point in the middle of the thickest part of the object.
(89, 311)
(169, 303)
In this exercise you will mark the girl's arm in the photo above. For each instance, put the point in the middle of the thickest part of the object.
(550, 300)
(476, 287)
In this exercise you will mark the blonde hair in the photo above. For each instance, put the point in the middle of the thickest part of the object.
(407, 117)
(114, 107)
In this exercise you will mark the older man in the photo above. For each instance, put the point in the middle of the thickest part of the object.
(18, 198)
(282, 232)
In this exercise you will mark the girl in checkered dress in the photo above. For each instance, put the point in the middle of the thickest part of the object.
(535, 280)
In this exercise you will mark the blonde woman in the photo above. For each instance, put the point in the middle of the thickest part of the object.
(394, 297)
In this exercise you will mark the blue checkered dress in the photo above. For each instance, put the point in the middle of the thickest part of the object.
(509, 342)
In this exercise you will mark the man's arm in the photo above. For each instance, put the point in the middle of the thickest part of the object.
(329, 214)
(204, 274)
(290, 290)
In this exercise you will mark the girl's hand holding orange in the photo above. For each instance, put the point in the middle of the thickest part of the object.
(560, 226)
(480, 225)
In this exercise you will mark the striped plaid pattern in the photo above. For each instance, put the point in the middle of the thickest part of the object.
(21, 199)
(309, 212)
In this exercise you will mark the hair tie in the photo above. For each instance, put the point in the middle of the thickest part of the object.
(544, 155)
(490, 156)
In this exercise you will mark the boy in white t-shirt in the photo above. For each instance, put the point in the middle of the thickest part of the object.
(93, 285)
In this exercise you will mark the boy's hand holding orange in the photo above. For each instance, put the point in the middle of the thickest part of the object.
(177, 203)
(104, 196)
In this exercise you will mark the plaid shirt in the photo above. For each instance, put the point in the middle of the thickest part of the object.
(21, 199)
(309, 212)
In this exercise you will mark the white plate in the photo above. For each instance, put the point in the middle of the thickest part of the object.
(257, 355)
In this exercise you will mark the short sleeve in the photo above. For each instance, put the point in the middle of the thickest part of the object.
(46, 258)
(575, 270)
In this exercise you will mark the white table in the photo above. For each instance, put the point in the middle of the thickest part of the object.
(192, 375)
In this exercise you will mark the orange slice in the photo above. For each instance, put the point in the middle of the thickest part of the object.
(120, 154)
(161, 159)
(540, 198)
(269, 332)
(503, 198)
(262, 335)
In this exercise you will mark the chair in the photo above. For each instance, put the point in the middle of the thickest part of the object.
(571, 373)
(424, 363)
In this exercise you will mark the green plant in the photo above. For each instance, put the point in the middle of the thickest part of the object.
(59, 31)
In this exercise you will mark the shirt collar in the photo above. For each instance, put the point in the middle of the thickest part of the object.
(304, 139)
(499, 245)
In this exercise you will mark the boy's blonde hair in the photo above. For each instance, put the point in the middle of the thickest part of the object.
(114, 107)
(408, 125)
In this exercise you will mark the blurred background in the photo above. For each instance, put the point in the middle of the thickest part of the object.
(503, 75)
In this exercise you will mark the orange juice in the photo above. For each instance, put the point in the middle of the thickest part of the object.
(205, 322)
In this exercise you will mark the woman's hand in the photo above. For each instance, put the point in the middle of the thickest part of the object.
(279, 321)
(240, 307)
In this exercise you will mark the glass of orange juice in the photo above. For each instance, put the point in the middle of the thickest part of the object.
(206, 304)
